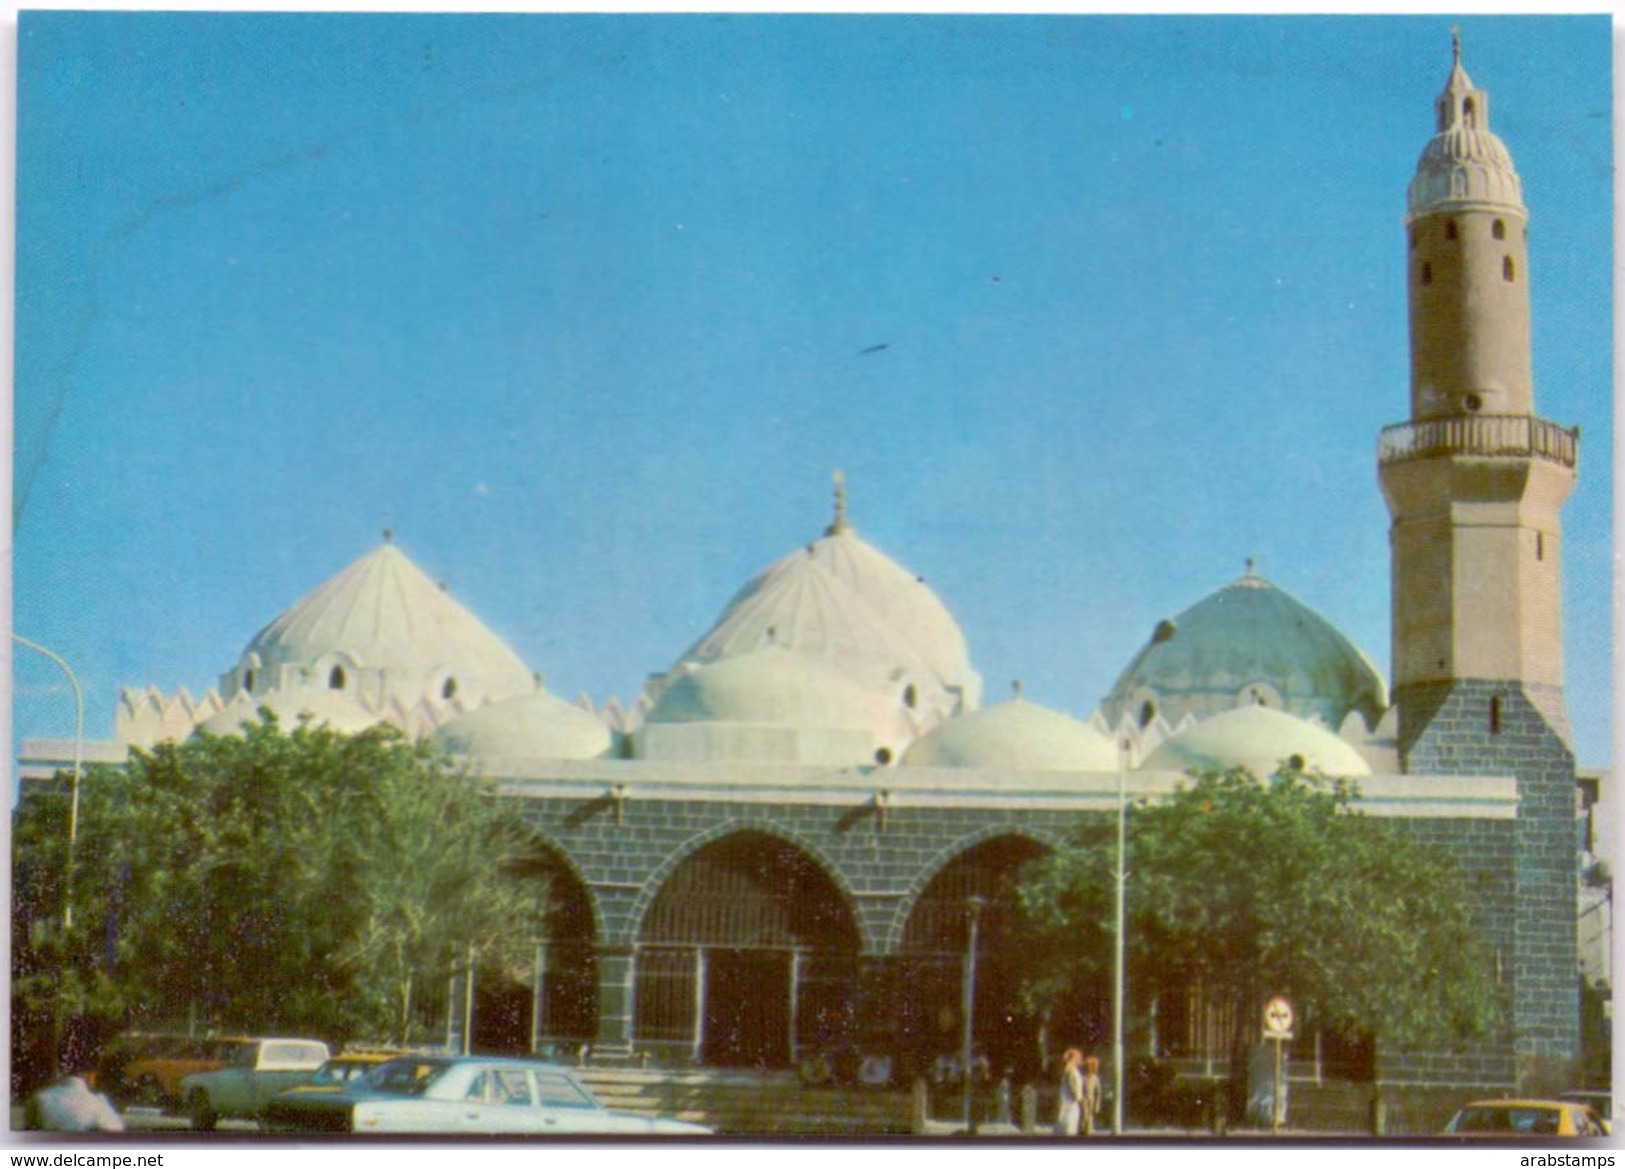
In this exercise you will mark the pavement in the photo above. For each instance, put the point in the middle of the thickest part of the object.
(150, 1120)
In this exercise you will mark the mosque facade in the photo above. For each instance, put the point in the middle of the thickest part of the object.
(787, 840)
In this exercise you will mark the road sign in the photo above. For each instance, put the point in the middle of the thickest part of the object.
(1278, 1018)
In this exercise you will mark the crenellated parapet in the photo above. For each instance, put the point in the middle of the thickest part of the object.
(148, 717)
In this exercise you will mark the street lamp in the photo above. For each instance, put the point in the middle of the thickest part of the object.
(1124, 748)
(78, 766)
(968, 1006)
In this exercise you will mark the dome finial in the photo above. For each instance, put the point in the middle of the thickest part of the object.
(1016, 686)
(1455, 44)
(389, 535)
(1252, 566)
(839, 524)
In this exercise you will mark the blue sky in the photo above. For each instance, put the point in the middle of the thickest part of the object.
(586, 309)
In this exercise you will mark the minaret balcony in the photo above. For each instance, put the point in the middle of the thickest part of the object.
(1484, 435)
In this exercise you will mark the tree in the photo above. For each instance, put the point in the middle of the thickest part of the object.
(1253, 888)
(276, 880)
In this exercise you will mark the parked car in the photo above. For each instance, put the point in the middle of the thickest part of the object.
(1527, 1118)
(146, 1069)
(344, 1070)
(1599, 1098)
(469, 1095)
(256, 1071)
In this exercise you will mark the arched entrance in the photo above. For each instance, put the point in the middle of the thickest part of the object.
(746, 956)
(545, 998)
(928, 1002)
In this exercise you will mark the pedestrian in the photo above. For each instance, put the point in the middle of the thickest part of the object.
(1089, 1097)
(68, 1105)
(1069, 1113)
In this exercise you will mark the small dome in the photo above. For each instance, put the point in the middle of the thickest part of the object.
(534, 726)
(775, 686)
(1250, 643)
(323, 707)
(384, 615)
(1464, 163)
(1258, 739)
(1019, 736)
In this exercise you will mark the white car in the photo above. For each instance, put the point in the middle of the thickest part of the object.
(471, 1095)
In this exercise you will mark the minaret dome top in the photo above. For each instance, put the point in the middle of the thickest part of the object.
(1464, 164)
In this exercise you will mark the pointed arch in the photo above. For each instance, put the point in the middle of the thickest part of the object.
(734, 826)
(961, 916)
(1041, 841)
(552, 1003)
(746, 950)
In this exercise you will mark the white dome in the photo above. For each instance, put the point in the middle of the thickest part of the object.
(774, 686)
(534, 726)
(906, 604)
(840, 600)
(1016, 735)
(385, 629)
(1464, 164)
(1259, 739)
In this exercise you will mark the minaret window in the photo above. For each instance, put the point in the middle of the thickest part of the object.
(1540, 545)
(1450, 229)
(1413, 239)
(248, 681)
(449, 690)
(1499, 229)
(1473, 403)
(1148, 711)
(1427, 273)
(1469, 114)
(1509, 271)
(335, 680)
(1495, 715)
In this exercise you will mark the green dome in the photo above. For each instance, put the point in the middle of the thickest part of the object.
(1260, 740)
(1248, 644)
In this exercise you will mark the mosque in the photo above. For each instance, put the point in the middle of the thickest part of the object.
(793, 833)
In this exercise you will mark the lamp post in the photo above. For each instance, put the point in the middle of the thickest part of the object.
(78, 767)
(968, 1006)
(1124, 747)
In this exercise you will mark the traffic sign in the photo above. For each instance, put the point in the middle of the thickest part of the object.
(1278, 1018)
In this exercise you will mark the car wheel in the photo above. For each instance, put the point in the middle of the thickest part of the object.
(204, 1116)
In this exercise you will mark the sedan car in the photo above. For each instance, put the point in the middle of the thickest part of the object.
(1527, 1118)
(451, 1095)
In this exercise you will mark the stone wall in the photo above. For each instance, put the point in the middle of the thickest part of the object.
(1477, 727)
(624, 851)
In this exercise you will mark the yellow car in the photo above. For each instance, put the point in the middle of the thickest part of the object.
(343, 1070)
(1527, 1118)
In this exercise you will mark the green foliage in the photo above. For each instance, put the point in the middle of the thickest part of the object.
(1253, 888)
(296, 881)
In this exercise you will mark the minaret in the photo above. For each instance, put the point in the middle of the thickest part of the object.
(1474, 483)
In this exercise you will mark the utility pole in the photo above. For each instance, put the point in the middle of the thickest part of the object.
(968, 1006)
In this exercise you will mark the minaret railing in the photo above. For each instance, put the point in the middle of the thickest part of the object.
(1489, 435)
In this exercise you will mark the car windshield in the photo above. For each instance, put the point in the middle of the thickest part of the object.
(404, 1077)
(338, 1071)
(1513, 1120)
